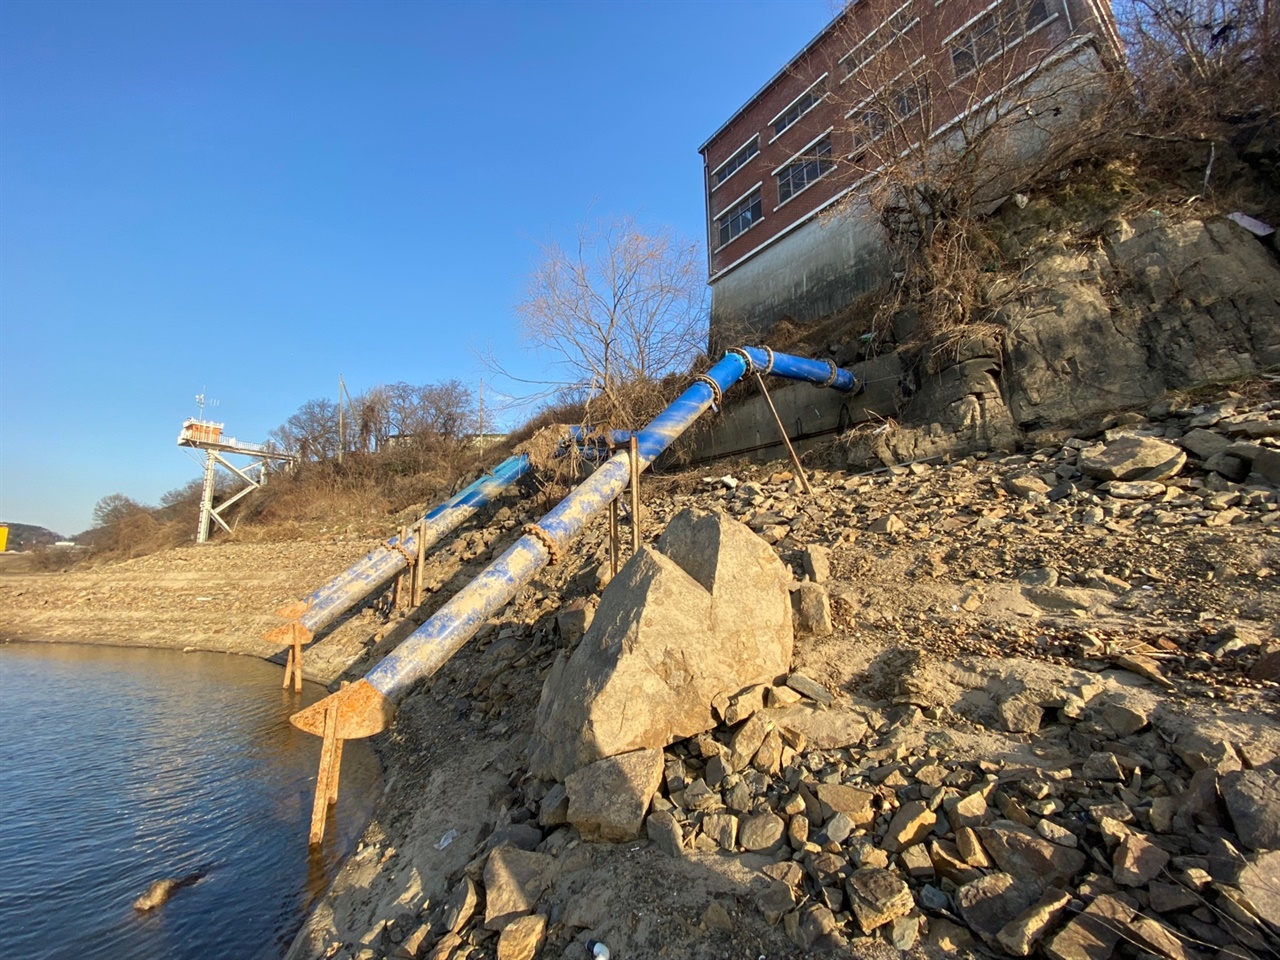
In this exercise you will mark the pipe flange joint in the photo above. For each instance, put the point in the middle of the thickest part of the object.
(544, 538)
(768, 367)
(399, 547)
(746, 357)
(716, 395)
(835, 374)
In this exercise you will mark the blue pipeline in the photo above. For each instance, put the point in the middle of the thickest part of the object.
(349, 588)
(429, 647)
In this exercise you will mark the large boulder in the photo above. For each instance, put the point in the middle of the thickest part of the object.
(750, 597)
(703, 615)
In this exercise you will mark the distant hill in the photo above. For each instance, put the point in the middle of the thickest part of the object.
(24, 536)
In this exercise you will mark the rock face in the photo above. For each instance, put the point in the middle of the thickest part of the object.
(1199, 302)
(1158, 307)
(702, 616)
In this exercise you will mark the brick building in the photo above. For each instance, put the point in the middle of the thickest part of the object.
(882, 75)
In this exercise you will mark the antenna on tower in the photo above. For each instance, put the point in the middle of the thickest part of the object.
(201, 400)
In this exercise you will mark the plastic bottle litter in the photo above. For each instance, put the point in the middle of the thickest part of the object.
(598, 950)
(447, 839)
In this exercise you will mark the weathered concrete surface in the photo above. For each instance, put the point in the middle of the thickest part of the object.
(811, 415)
(816, 270)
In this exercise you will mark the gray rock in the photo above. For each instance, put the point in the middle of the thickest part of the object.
(665, 833)
(817, 563)
(1253, 801)
(810, 688)
(990, 903)
(1126, 716)
(1040, 577)
(1102, 765)
(761, 832)
(1092, 935)
(1020, 935)
(838, 828)
(1020, 715)
(1134, 489)
(553, 808)
(1132, 458)
(572, 621)
(722, 828)
(1203, 444)
(1030, 858)
(609, 798)
(675, 630)
(1267, 464)
(1233, 468)
(513, 882)
(775, 900)
(878, 897)
(1258, 882)
(1137, 860)
(812, 609)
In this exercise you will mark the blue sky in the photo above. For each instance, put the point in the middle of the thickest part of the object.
(252, 198)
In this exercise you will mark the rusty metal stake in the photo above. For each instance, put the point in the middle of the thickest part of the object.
(613, 538)
(782, 432)
(635, 494)
(327, 777)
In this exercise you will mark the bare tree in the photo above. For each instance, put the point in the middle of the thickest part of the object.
(1222, 52)
(115, 507)
(941, 128)
(312, 431)
(621, 306)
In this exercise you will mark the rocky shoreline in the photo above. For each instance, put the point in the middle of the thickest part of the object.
(1041, 689)
(1042, 699)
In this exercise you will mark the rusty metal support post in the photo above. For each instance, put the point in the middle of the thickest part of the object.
(782, 432)
(613, 538)
(635, 494)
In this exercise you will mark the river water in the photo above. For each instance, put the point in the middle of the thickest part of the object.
(122, 766)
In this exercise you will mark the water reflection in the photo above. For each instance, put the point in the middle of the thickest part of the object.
(122, 766)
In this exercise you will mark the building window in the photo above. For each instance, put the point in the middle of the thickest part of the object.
(899, 99)
(739, 218)
(899, 23)
(734, 163)
(800, 106)
(869, 127)
(803, 171)
(994, 32)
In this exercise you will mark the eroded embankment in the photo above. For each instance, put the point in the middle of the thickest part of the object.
(1020, 654)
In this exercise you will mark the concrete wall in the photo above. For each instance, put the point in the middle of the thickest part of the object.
(811, 415)
(817, 269)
